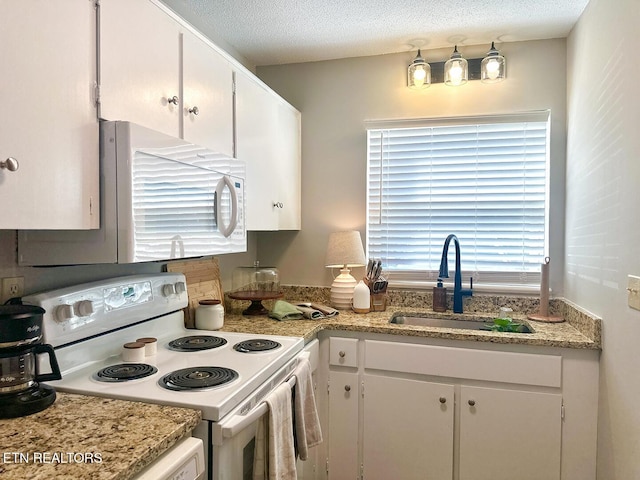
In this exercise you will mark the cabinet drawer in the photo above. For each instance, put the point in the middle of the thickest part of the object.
(493, 366)
(343, 352)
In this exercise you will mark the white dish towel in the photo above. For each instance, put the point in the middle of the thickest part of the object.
(274, 456)
(307, 425)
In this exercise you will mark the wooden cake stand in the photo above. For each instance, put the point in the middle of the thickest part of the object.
(256, 297)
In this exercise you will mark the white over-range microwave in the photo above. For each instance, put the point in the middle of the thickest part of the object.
(161, 198)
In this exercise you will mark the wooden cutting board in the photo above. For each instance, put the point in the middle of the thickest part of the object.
(203, 281)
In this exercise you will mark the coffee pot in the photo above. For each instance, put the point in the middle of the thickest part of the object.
(20, 346)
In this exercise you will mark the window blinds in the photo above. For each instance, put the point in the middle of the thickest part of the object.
(485, 181)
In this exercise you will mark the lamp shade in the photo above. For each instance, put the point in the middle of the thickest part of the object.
(345, 249)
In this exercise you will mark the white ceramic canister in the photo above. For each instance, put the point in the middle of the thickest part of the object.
(150, 345)
(209, 315)
(133, 352)
(361, 298)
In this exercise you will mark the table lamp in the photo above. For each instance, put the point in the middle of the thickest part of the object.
(344, 251)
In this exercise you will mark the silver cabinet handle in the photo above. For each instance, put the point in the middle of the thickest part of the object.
(472, 403)
(173, 100)
(277, 204)
(443, 400)
(347, 388)
(342, 354)
(10, 164)
(194, 110)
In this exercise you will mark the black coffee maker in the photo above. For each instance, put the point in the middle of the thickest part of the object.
(20, 346)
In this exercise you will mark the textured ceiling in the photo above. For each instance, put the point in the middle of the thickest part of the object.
(270, 32)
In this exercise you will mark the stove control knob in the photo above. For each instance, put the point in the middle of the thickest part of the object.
(180, 287)
(83, 308)
(63, 313)
(168, 289)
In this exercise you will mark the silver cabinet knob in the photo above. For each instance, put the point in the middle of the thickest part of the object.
(443, 400)
(472, 403)
(194, 110)
(173, 100)
(341, 353)
(347, 388)
(10, 164)
(278, 205)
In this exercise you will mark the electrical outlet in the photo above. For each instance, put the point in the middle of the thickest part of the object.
(633, 290)
(12, 287)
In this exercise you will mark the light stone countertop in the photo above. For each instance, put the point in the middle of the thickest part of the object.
(580, 329)
(65, 440)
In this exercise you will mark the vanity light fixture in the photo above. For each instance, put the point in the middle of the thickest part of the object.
(492, 69)
(419, 73)
(456, 69)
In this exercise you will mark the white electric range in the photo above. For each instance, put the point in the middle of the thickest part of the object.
(225, 375)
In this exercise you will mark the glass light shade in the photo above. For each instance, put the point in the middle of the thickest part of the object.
(419, 73)
(493, 67)
(456, 70)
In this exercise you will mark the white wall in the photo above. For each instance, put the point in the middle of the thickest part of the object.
(335, 97)
(602, 229)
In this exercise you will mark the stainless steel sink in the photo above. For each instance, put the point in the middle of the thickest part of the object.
(403, 319)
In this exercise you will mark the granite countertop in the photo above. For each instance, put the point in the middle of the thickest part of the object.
(579, 330)
(86, 438)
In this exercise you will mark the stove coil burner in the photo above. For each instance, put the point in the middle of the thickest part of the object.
(198, 378)
(123, 372)
(256, 345)
(196, 343)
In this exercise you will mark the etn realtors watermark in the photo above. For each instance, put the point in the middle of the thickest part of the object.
(50, 457)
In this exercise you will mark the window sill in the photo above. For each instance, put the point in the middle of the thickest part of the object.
(493, 288)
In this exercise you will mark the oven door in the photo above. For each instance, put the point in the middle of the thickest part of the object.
(234, 436)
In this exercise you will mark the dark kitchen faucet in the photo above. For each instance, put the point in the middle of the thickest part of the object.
(458, 291)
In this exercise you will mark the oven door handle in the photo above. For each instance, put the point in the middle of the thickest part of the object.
(237, 424)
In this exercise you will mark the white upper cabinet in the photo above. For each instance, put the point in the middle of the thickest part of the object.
(268, 139)
(48, 126)
(207, 93)
(140, 65)
(156, 72)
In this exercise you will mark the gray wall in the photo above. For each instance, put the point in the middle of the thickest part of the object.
(602, 229)
(336, 97)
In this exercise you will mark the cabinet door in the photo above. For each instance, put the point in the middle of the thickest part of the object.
(139, 65)
(289, 158)
(408, 429)
(256, 131)
(343, 426)
(49, 123)
(207, 96)
(509, 434)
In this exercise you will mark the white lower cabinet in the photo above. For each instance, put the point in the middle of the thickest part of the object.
(408, 429)
(449, 411)
(509, 434)
(343, 425)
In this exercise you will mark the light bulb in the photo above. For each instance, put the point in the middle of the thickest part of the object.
(493, 69)
(418, 76)
(455, 74)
